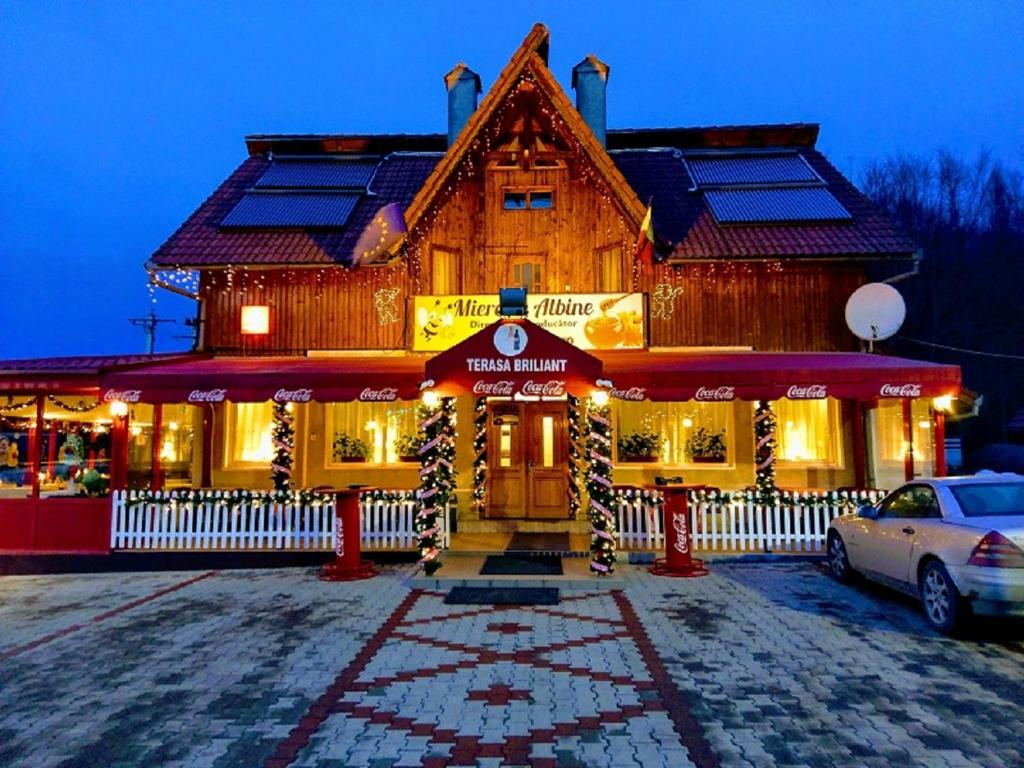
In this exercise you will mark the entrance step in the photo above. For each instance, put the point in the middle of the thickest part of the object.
(496, 525)
(464, 571)
(464, 543)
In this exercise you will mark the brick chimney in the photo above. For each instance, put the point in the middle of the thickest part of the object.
(590, 81)
(463, 86)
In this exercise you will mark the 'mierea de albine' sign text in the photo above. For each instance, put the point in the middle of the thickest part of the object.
(585, 320)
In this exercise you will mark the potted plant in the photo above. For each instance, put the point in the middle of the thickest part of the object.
(408, 447)
(639, 446)
(349, 449)
(706, 447)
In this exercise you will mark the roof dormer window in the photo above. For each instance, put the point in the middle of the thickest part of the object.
(528, 199)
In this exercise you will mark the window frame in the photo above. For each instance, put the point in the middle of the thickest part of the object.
(730, 447)
(835, 428)
(328, 443)
(528, 192)
(230, 416)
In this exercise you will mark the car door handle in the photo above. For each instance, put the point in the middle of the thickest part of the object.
(908, 529)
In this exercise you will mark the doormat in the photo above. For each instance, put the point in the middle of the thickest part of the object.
(501, 596)
(522, 565)
(538, 542)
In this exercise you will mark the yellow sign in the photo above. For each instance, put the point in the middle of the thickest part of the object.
(587, 320)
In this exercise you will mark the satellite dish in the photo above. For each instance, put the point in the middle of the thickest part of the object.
(875, 311)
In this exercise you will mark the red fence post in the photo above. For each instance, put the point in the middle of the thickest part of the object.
(941, 470)
(348, 564)
(678, 560)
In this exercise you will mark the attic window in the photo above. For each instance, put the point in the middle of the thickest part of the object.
(528, 199)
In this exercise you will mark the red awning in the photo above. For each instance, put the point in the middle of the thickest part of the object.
(724, 376)
(258, 379)
(513, 357)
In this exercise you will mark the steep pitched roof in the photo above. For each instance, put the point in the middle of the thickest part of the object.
(202, 242)
(532, 56)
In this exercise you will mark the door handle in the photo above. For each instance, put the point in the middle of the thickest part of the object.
(908, 529)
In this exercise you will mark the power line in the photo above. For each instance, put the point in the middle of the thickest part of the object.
(962, 350)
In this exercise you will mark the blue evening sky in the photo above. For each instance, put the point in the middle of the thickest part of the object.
(118, 119)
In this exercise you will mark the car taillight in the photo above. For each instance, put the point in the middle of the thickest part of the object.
(996, 551)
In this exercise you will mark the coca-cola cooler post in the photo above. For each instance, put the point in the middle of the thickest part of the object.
(348, 564)
(679, 560)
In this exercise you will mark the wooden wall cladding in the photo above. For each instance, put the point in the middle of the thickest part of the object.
(313, 308)
(769, 306)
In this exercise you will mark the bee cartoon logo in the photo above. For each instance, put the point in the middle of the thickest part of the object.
(435, 322)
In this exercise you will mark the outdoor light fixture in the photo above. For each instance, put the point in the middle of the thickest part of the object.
(943, 403)
(512, 302)
(431, 399)
(118, 408)
(255, 320)
(600, 398)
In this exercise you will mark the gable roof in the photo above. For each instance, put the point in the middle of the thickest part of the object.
(532, 55)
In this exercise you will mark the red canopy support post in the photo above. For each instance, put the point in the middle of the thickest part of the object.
(35, 446)
(206, 460)
(940, 443)
(156, 477)
(348, 562)
(119, 453)
(908, 440)
(860, 455)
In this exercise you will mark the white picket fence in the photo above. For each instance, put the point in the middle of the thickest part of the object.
(138, 521)
(736, 522)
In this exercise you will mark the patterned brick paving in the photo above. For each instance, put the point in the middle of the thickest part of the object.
(755, 665)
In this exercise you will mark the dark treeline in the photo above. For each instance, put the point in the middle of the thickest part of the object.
(968, 219)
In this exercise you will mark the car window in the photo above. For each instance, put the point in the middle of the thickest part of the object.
(990, 499)
(915, 501)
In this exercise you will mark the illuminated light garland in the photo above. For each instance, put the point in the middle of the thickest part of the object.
(480, 456)
(764, 453)
(74, 408)
(13, 406)
(599, 488)
(283, 437)
(232, 500)
(575, 456)
(437, 479)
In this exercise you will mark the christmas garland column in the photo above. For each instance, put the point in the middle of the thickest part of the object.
(480, 456)
(437, 478)
(283, 436)
(764, 453)
(575, 457)
(599, 488)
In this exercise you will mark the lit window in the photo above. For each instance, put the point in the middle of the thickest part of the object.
(808, 431)
(255, 320)
(888, 446)
(249, 433)
(691, 434)
(376, 433)
(527, 274)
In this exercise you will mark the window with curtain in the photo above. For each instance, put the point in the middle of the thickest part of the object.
(687, 434)
(888, 446)
(385, 431)
(808, 431)
(249, 433)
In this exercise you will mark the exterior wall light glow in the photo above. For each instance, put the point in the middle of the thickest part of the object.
(117, 408)
(943, 403)
(431, 399)
(255, 320)
(600, 398)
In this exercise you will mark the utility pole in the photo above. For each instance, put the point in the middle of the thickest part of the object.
(148, 325)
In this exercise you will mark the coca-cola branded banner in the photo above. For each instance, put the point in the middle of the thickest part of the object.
(514, 358)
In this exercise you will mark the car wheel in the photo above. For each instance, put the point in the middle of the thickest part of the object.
(943, 606)
(838, 561)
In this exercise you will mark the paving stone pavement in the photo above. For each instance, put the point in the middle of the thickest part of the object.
(755, 665)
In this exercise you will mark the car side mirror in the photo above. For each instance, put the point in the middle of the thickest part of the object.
(868, 512)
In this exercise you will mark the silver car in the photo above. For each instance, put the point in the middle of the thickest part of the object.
(957, 543)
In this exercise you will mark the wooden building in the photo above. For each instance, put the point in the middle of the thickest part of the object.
(329, 269)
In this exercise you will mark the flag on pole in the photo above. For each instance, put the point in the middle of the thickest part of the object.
(645, 240)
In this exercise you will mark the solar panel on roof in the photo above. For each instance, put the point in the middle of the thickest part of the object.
(292, 209)
(750, 169)
(749, 206)
(318, 174)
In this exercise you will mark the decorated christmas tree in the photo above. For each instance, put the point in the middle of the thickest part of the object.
(599, 487)
(764, 453)
(283, 436)
(437, 479)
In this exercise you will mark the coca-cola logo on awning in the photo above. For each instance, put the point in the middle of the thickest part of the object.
(493, 388)
(123, 396)
(207, 395)
(900, 390)
(810, 392)
(383, 395)
(632, 393)
(293, 395)
(551, 388)
(715, 394)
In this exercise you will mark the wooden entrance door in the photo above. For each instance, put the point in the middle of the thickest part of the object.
(527, 455)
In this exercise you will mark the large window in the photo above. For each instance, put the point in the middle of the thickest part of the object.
(75, 448)
(378, 433)
(15, 467)
(889, 445)
(249, 434)
(682, 434)
(177, 436)
(809, 431)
